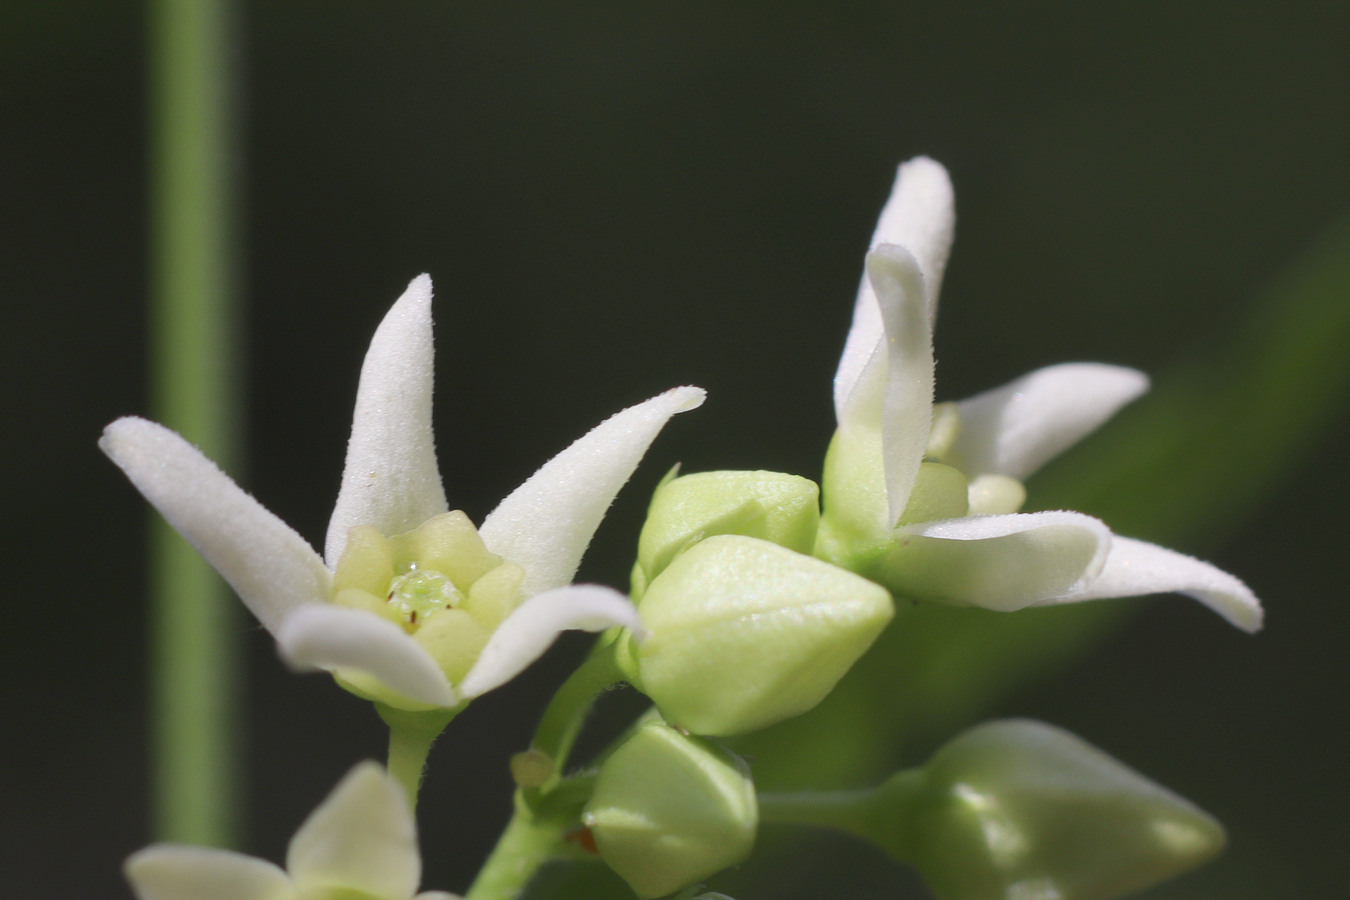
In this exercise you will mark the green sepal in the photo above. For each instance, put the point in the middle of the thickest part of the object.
(668, 810)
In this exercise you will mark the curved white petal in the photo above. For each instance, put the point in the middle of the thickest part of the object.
(390, 479)
(919, 216)
(893, 399)
(546, 524)
(362, 837)
(1135, 568)
(1002, 563)
(534, 625)
(178, 872)
(270, 567)
(1014, 429)
(324, 636)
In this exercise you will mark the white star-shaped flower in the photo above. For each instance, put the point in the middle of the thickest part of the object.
(410, 605)
(926, 500)
(360, 842)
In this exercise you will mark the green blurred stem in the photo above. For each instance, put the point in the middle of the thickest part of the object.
(196, 676)
(841, 810)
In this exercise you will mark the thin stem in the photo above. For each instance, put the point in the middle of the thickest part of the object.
(196, 676)
(841, 810)
(566, 712)
(525, 845)
(411, 735)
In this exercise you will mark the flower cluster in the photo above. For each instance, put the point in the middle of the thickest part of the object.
(753, 594)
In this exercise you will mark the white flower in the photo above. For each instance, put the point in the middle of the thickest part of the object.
(410, 604)
(925, 500)
(360, 842)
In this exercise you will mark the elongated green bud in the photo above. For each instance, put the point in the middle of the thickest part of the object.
(1022, 809)
(742, 633)
(669, 810)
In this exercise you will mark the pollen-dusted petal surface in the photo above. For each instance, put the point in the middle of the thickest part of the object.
(537, 622)
(270, 567)
(178, 872)
(1015, 429)
(362, 838)
(1002, 563)
(390, 480)
(1135, 568)
(324, 636)
(546, 524)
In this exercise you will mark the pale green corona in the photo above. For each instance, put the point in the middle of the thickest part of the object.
(438, 582)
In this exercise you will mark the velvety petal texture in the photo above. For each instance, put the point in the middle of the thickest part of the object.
(1014, 429)
(361, 838)
(177, 872)
(391, 487)
(336, 638)
(546, 524)
(1135, 568)
(536, 623)
(920, 216)
(270, 567)
(391, 480)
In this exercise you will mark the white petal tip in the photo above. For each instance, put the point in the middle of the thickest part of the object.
(687, 397)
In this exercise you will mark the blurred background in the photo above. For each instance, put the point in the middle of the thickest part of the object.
(617, 198)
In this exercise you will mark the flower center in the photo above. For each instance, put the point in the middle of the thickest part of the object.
(420, 592)
(438, 582)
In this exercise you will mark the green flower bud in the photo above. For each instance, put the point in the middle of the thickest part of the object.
(669, 810)
(742, 633)
(782, 509)
(1022, 809)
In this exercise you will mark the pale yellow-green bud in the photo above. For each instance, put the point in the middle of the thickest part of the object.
(669, 810)
(742, 633)
(1022, 809)
(782, 509)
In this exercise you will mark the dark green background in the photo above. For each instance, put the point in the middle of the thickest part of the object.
(616, 198)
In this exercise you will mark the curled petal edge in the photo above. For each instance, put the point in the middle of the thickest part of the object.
(536, 623)
(998, 562)
(334, 638)
(1135, 568)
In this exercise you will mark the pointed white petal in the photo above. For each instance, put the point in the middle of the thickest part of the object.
(1002, 563)
(390, 480)
(324, 636)
(893, 399)
(270, 567)
(920, 217)
(361, 838)
(1135, 568)
(534, 625)
(546, 524)
(178, 872)
(1014, 429)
